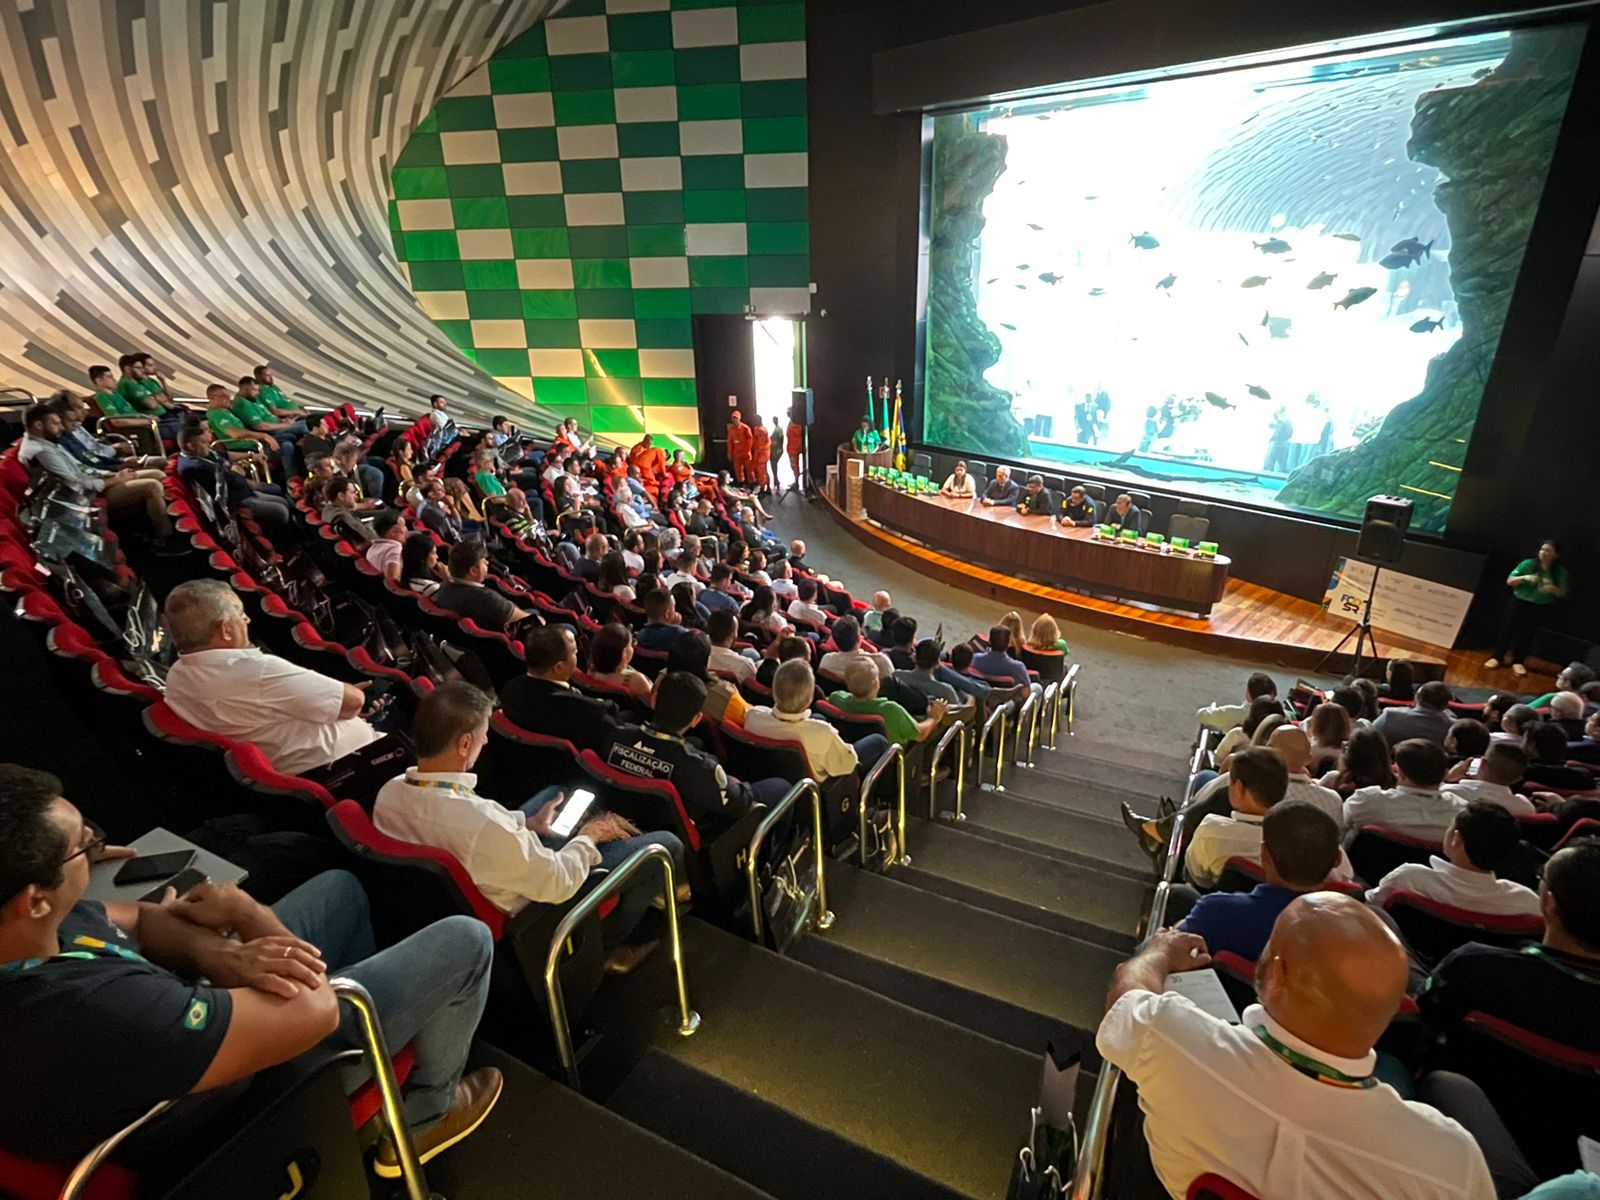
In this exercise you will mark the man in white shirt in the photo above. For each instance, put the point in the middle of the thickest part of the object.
(783, 584)
(804, 607)
(1294, 746)
(124, 490)
(722, 628)
(684, 565)
(1482, 837)
(301, 720)
(512, 855)
(790, 720)
(1501, 766)
(1227, 716)
(1286, 1103)
(847, 637)
(632, 552)
(383, 552)
(1416, 807)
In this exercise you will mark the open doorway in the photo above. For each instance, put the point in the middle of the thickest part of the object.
(775, 342)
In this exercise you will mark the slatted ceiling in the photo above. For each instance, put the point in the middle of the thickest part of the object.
(1250, 621)
(210, 182)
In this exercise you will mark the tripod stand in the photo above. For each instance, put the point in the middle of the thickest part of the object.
(1362, 632)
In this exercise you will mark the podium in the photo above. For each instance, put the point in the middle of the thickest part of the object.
(852, 469)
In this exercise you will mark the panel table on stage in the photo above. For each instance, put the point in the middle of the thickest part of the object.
(1062, 555)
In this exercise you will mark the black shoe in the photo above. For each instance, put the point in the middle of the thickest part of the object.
(172, 547)
(1166, 808)
(1146, 830)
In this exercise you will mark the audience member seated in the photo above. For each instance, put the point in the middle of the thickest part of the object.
(924, 677)
(902, 639)
(789, 719)
(234, 434)
(1415, 806)
(610, 652)
(1550, 990)
(221, 683)
(804, 606)
(1330, 728)
(997, 663)
(862, 680)
(721, 592)
(388, 543)
(691, 613)
(847, 639)
(124, 492)
(662, 624)
(1398, 681)
(465, 595)
(872, 620)
(342, 508)
(511, 854)
(691, 654)
(1044, 636)
(1002, 491)
(1546, 747)
(208, 473)
(1224, 717)
(1481, 838)
(762, 612)
(420, 569)
(782, 650)
(1257, 780)
(783, 584)
(595, 548)
(1428, 719)
(959, 674)
(1566, 713)
(613, 580)
(1587, 750)
(659, 749)
(369, 479)
(544, 701)
(1291, 744)
(435, 513)
(1514, 723)
(1467, 739)
(192, 1011)
(1299, 850)
(1288, 1096)
(91, 451)
(722, 629)
(1574, 677)
(1499, 770)
(1367, 763)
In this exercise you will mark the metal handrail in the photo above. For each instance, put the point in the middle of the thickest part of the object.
(998, 715)
(688, 1019)
(956, 733)
(1050, 712)
(824, 916)
(1071, 691)
(896, 754)
(392, 1107)
(1027, 715)
(1088, 1173)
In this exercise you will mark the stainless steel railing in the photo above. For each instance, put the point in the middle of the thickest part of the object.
(895, 755)
(688, 1019)
(1027, 723)
(1088, 1175)
(805, 786)
(957, 733)
(998, 716)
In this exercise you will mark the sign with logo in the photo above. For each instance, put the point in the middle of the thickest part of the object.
(1403, 605)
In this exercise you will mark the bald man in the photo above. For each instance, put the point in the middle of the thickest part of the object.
(1285, 1104)
(1292, 744)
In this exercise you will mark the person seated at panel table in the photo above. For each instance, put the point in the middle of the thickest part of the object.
(1080, 509)
(1124, 513)
(1036, 499)
(1002, 491)
(958, 484)
(866, 440)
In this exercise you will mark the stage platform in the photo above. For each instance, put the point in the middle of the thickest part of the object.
(1249, 622)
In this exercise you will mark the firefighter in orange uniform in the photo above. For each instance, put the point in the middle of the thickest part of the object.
(795, 437)
(652, 464)
(739, 448)
(760, 453)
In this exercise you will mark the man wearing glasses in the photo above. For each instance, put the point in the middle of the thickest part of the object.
(112, 1008)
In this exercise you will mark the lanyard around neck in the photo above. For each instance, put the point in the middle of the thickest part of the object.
(444, 785)
(1310, 1067)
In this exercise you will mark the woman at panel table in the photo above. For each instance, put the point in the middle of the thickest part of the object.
(958, 484)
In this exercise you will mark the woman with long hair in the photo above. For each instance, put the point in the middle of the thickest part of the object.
(689, 610)
(691, 652)
(1399, 681)
(610, 653)
(613, 579)
(419, 563)
(761, 611)
(1329, 728)
(1367, 763)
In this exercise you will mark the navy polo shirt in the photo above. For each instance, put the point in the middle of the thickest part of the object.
(1544, 991)
(1238, 921)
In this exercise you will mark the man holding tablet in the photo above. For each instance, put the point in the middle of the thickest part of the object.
(515, 856)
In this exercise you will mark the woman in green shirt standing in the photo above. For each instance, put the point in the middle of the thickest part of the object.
(1535, 583)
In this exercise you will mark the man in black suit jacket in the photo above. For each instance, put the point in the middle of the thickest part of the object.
(542, 701)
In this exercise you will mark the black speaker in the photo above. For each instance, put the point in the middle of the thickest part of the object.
(1383, 529)
(802, 407)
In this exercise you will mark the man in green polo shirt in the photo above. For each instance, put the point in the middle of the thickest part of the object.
(901, 728)
(231, 433)
(273, 397)
(134, 388)
(110, 401)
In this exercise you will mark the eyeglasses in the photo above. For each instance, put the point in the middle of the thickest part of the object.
(93, 846)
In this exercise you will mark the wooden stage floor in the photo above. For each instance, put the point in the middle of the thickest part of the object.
(1250, 622)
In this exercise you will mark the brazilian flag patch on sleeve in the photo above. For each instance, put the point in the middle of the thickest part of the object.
(199, 1013)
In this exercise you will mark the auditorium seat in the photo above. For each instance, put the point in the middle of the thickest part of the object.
(1432, 929)
(921, 464)
(1215, 1187)
(633, 709)
(1242, 874)
(1586, 827)
(1375, 851)
(1194, 529)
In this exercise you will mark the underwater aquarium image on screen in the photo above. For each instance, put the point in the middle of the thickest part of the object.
(1278, 284)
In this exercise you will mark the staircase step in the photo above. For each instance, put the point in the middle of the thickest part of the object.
(1010, 980)
(570, 1145)
(1140, 781)
(853, 1069)
(1080, 901)
(1047, 829)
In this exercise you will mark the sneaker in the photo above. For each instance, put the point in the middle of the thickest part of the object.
(1518, 669)
(476, 1095)
(1489, 664)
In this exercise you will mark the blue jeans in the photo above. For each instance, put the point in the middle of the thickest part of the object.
(288, 453)
(429, 989)
(371, 481)
(634, 900)
(869, 750)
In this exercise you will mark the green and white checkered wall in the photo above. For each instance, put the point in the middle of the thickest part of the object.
(565, 209)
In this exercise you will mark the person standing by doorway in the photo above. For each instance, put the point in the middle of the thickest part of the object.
(775, 448)
(739, 448)
(760, 449)
(796, 444)
(1535, 583)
